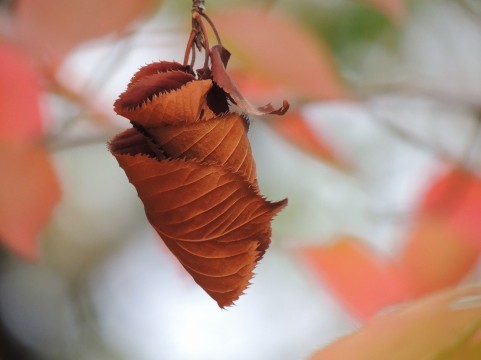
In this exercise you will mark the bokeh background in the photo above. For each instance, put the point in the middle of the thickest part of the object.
(378, 156)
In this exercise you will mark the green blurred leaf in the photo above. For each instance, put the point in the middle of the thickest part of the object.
(347, 27)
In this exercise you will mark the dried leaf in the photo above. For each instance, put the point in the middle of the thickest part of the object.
(221, 140)
(213, 220)
(219, 58)
(191, 162)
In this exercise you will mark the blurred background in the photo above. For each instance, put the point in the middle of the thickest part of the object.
(378, 157)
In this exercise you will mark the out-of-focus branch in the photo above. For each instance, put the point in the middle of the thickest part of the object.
(55, 140)
(437, 95)
(470, 10)
(411, 138)
(58, 144)
(414, 90)
(81, 100)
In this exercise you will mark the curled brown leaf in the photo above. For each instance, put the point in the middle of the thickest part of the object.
(190, 160)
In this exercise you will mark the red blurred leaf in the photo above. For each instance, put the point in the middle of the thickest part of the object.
(28, 186)
(435, 257)
(363, 281)
(441, 249)
(28, 193)
(393, 9)
(295, 129)
(279, 49)
(191, 162)
(422, 330)
(455, 198)
(54, 27)
(19, 96)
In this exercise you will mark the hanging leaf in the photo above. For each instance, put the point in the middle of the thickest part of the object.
(190, 160)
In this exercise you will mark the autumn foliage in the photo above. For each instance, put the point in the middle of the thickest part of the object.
(394, 253)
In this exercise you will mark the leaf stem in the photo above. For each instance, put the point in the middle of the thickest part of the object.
(205, 38)
(190, 47)
(211, 23)
(198, 36)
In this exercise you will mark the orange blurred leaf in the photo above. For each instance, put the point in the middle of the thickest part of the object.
(279, 49)
(455, 198)
(363, 281)
(295, 129)
(28, 193)
(54, 27)
(19, 96)
(418, 331)
(190, 160)
(435, 257)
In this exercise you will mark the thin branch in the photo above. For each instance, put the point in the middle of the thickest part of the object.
(469, 10)
(59, 145)
(80, 99)
(54, 141)
(211, 23)
(409, 137)
(470, 148)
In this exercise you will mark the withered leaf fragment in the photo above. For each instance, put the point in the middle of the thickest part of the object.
(191, 162)
(220, 56)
